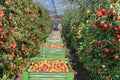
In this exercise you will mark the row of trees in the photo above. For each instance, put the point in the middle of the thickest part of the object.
(23, 27)
(94, 33)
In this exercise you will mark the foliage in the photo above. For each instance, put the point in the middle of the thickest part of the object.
(23, 27)
(93, 33)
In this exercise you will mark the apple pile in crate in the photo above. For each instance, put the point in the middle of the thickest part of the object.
(49, 66)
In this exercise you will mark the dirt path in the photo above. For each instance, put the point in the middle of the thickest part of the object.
(80, 72)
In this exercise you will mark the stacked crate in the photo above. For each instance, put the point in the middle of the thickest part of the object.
(52, 63)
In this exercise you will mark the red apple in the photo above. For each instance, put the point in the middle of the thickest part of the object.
(99, 70)
(1, 30)
(116, 28)
(103, 10)
(110, 25)
(105, 55)
(106, 50)
(102, 23)
(113, 40)
(99, 14)
(112, 51)
(113, 12)
(118, 18)
(116, 57)
(99, 43)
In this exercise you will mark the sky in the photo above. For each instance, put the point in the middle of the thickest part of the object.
(60, 5)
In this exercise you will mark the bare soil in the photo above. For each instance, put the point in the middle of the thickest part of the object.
(79, 72)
